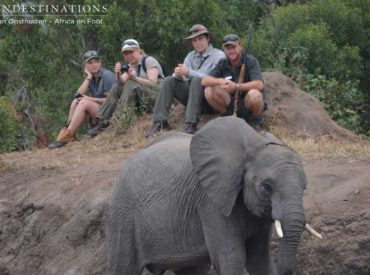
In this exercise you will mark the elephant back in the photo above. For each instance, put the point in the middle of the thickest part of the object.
(154, 167)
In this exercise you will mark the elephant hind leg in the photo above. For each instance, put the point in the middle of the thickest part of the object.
(197, 270)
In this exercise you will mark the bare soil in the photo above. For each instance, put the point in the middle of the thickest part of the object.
(53, 203)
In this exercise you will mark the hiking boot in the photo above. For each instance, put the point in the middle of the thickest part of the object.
(157, 127)
(65, 135)
(98, 127)
(190, 128)
(56, 144)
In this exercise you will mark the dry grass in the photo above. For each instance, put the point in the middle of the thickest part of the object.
(104, 148)
(108, 147)
(326, 146)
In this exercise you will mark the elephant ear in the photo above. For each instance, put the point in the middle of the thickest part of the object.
(273, 139)
(218, 153)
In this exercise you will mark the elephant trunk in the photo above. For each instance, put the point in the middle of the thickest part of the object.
(292, 226)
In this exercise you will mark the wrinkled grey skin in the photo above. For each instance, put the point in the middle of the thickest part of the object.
(185, 200)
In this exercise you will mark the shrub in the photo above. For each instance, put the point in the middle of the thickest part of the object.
(8, 126)
(343, 101)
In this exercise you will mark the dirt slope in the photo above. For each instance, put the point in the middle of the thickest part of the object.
(52, 203)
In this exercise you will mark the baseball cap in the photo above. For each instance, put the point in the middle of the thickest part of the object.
(130, 45)
(230, 39)
(90, 55)
(196, 30)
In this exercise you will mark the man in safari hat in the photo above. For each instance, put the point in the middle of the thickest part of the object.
(185, 83)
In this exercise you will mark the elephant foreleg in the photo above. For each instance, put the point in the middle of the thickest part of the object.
(198, 270)
(258, 251)
(224, 242)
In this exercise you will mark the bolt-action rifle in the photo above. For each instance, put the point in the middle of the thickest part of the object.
(243, 69)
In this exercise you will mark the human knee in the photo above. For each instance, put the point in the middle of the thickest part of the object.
(168, 85)
(115, 91)
(82, 104)
(254, 97)
(130, 85)
(254, 102)
(208, 93)
(196, 82)
(196, 90)
(75, 102)
(168, 80)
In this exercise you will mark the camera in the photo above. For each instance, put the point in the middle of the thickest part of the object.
(124, 68)
(77, 95)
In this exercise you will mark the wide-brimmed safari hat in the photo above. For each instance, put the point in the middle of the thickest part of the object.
(197, 30)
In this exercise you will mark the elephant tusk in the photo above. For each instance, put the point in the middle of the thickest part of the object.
(312, 231)
(278, 228)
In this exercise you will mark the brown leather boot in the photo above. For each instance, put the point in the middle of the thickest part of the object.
(65, 135)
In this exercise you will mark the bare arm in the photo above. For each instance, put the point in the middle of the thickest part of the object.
(95, 99)
(254, 84)
(85, 84)
(211, 81)
(152, 74)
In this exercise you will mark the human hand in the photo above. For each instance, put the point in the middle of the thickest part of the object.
(78, 95)
(88, 73)
(132, 73)
(181, 70)
(117, 68)
(229, 86)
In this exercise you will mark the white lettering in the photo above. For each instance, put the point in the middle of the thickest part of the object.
(64, 21)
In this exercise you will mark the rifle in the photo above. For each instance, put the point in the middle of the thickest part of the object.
(243, 69)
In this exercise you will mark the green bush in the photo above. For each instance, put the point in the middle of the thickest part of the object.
(8, 126)
(323, 39)
(343, 101)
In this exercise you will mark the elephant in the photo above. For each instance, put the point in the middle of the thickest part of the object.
(186, 201)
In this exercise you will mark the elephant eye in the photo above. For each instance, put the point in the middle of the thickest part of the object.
(267, 186)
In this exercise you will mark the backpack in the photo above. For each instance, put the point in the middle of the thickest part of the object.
(165, 70)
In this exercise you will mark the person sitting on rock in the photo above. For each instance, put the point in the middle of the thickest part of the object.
(98, 82)
(136, 83)
(184, 84)
(221, 84)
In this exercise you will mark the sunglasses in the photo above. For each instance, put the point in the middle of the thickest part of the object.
(129, 43)
(90, 54)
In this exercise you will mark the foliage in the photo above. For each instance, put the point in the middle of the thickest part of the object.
(322, 45)
(8, 126)
(342, 100)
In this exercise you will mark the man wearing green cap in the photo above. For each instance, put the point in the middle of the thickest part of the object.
(221, 84)
(185, 83)
(98, 81)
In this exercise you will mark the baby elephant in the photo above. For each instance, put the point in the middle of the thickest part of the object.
(186, 201)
